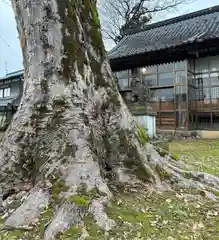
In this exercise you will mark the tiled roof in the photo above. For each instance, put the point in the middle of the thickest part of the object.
(194, 27)
(12, 75)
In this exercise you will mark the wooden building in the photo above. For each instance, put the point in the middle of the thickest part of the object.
(179, 60)
(11, 89)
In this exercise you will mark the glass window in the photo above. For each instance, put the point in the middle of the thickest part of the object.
(7, 92)
(136, 72)
(202, 65)
(1, 93)
(214, 63)
(150, 80)
(165, 67)
(204, 102)
(215, 99)
(154, 100)
(166, 94)
(181, 77)
(123, 83)
(181, 119)
(166, 99)
(180, 65)
(215, 93)
(154, 95)
(192, 81)
(206, 94)
(123, 74)
(214, 79)
(149, 69)
(181, 100)
(165, 79)
(204, 79)
(191, 65)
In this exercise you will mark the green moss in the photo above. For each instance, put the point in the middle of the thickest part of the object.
(74, 49)
(94, 231)
(162, 152)
(141, 173)
(58, 186)
(73, 232)
(89, 194)
(175, 156)
(162, 174)
(45, 218)
(82, 189)
(94, 15)
(114, 98)
(79, 200)
(95, 33)
(70, 150)
(142, 135)
(11, 235)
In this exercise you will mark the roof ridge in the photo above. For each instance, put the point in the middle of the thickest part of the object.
(169, 21)
(17, 71)
(117, 45)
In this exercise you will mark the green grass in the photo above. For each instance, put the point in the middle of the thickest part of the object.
(202, 154)
(166, 217)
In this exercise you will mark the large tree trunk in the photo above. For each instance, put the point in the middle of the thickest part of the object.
(72, 135)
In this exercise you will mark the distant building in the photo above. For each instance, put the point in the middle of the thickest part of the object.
(11, 88)
(179, 60)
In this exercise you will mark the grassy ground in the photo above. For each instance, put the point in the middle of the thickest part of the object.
(168, 217)
(203, 154)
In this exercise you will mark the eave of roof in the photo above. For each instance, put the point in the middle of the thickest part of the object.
(13, 75)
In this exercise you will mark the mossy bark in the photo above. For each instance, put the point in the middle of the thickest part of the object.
(72, 128)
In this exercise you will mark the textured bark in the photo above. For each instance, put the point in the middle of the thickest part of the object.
(72, 135)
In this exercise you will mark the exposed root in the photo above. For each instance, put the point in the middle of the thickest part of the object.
(177, 175)
(29, 210)
(101, 218)
(67, 215)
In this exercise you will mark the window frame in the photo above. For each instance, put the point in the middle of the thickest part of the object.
(3, 92)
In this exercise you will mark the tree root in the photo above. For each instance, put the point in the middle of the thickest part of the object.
(173, 172)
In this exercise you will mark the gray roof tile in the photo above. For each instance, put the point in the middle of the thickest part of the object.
(12, 75)
(194, 27)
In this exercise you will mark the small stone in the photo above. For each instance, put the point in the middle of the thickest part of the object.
(48, 184)
(11, 210)
(5, 215)
(10, 200)
(20, 195)
(4, 204)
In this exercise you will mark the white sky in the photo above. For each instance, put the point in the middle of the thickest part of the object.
(10, 53)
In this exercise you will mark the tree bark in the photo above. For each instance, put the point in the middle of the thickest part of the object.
(72, 135)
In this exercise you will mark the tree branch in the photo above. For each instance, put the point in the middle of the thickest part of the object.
(118, 15)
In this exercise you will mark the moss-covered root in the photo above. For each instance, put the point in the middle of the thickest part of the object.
(59, 215)
(175, 173)
(72, 217)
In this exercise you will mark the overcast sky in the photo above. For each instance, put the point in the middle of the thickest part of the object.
(10, 53)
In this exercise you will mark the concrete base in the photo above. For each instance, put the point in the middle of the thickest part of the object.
(208, 134)
(179, 133)
(187, 134)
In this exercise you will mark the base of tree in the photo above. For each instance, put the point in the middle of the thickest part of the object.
(56, 206)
